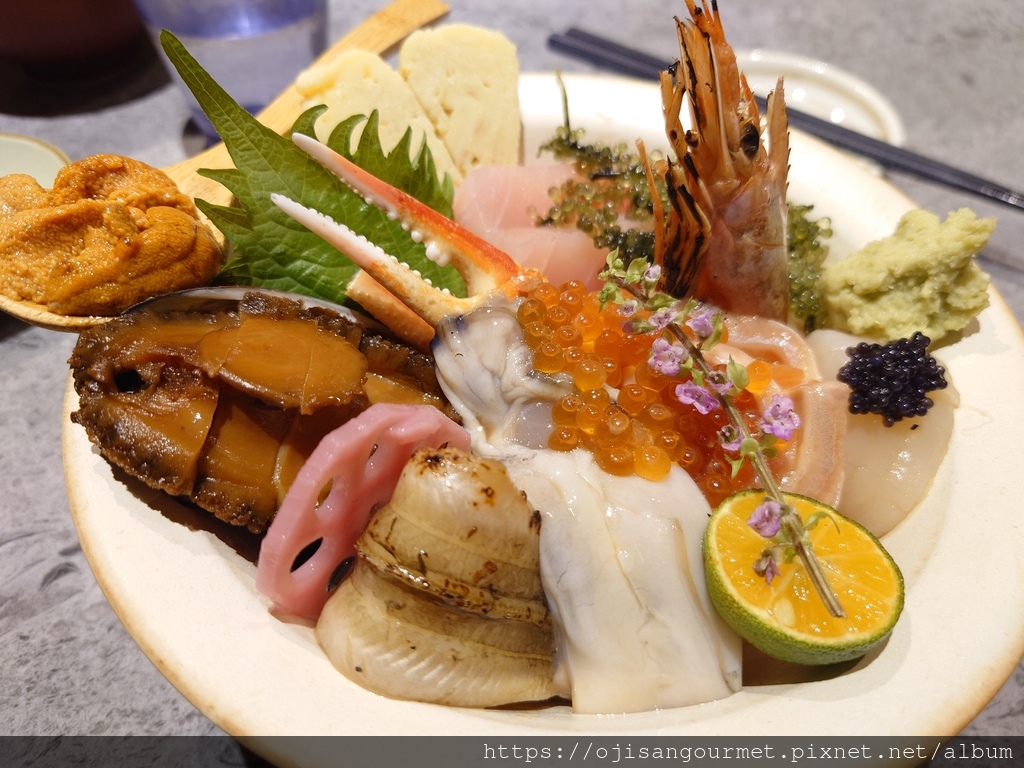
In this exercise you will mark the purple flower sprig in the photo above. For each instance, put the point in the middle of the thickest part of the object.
(675, 354)
(778, 422)
(667, 358)
(767, 565)
(779, 419)
(780, 523)
(766, 520)
(692, 393)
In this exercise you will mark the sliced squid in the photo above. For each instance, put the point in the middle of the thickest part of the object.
(500, 204)
(445, 602)
(623, 576)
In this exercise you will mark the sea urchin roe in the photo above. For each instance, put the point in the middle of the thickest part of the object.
(646, 430)
(110, 233)
(892, 380)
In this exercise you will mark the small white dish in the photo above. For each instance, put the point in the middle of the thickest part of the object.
(24, 154)
(825, 91)
(41, 161)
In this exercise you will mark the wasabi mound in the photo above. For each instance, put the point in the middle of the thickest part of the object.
(923, 278)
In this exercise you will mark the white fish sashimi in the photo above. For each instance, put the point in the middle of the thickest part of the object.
(557, 253)
(500, 203)
(505, 196)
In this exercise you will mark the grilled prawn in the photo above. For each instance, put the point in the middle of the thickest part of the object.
(723, 237)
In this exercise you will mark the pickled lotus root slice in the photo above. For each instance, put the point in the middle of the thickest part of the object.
(351, 473)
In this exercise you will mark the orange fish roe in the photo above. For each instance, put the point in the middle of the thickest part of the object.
(760, 374)
(647, 429)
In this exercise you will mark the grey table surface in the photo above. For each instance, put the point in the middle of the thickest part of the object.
(952, 69)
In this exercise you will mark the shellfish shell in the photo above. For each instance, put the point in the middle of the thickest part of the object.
(219, 394)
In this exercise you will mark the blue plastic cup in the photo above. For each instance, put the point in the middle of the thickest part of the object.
(253, 48)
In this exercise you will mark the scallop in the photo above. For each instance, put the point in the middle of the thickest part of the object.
(888, 470)
(444, 602)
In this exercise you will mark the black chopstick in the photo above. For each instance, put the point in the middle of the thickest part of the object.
(627, 61)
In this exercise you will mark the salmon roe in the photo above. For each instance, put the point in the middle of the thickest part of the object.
(646, 430)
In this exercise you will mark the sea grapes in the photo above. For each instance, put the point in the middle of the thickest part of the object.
(807, 253)
(612, 187)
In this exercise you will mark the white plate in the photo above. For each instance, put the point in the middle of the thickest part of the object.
(824, 90)
(24, 154)
(190, 602)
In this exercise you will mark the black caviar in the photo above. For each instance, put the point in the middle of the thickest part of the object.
(892, 380)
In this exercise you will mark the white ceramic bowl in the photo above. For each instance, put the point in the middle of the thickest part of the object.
(24, 154)
(823, 90)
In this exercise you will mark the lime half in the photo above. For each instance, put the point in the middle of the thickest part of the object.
(787, 619)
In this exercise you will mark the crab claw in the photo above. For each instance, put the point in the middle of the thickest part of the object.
(483, 267)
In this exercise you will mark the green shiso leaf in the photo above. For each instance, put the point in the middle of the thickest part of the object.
(271, 250)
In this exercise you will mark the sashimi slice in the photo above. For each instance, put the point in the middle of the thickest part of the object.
(811, 462)
(501, 203)
(502, 196)
(558, 254)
